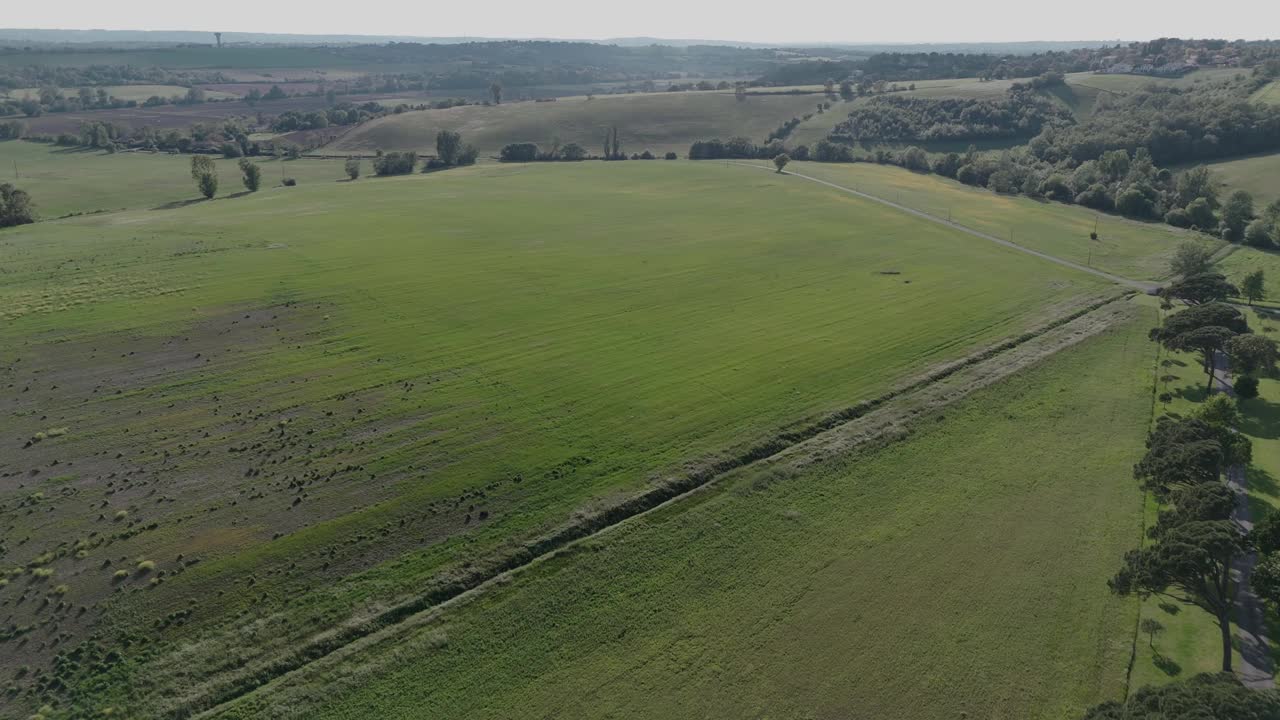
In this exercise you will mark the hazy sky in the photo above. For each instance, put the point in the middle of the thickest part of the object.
(824, 20)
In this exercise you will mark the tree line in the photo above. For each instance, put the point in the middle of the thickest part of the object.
(1021, 113)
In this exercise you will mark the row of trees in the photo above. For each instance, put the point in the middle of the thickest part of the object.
(1194, 540)
(451, 151)
(205, 173)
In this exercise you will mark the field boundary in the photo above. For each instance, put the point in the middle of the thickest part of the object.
(1143, 285)
(452, 590)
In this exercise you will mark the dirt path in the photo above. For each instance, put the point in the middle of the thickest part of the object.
(1142, 285)
(1256, 668)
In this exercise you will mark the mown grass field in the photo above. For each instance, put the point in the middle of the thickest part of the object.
(1259, 175)
(362, 386)
(658, 122)
(960, 572)
(62, 181)
(1244, 260)
(1269, 93)
(1126, 248)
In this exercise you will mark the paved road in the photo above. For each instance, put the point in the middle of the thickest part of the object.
(1256, 669)
(1142, 285)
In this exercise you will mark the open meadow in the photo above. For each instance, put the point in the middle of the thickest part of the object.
(1124, 247)
(960, 570)
(1258, 175)
(67, 181)
(209, 418)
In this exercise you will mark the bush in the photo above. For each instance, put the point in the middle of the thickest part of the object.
(146, 566)
(1246, 387)
(1178, 217)
(252, 174)
(1259, 233)
(208, 184)
(395, 163)
(15, 206)
(289, 182)
(671, 156)
(352, 167)
(573, 152)
(519, 152)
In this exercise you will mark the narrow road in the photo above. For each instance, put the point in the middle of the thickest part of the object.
(1256, 669)
(1143, 285)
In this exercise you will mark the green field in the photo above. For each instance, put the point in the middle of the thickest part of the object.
(366, 385)
(1244, 260)
(62, 181)
(658, 122)
(958, 573)
(1258, 175)
(1124, 247)
(1269, 93)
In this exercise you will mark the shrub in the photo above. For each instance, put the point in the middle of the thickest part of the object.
(1178, 217)
(671, 156)
(61, 590)
(251, 174)
(208, 184)
(395, 163)
(120, 574)
(352, 168)
(146, 566)
(289, 182)
(15, 206)
(519, 152)
(1246, 387)
(121, 515)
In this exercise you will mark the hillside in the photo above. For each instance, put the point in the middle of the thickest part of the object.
(658, 122)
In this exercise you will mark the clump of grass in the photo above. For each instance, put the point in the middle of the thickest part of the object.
(146, 566)
(61, 590)
(121, 574)
(42, 572)
(121, 515)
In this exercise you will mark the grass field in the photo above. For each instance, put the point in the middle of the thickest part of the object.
(62, 181)
(1245, 260)
(1259, 175)
(422, 371)
(659, 122)
(958, 573)
(1127, 248)
(1269, 93)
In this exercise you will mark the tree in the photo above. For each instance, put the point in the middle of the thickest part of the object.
(252, 174)
(201, 165)
(1196, 183)
(740, 92)
(846, 91)
(395, 163)
(495, 92)
(1260, 233)
(1180, 453)
(208, 184)
(1254, 286)
(1245, 387)
(1191, 258)
(15, 206)
(1200, 289)
(205, 173)
(1252, 353)
(518, 152)
(1236, 213)
(1151, 627)
(780, 161)
(1194, 561)
(573, 152)
(1207, 341)
(448, 147)
(1200, 212)
(352, 167)
(1205, 696)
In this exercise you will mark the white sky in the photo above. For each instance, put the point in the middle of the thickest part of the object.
(824, 20)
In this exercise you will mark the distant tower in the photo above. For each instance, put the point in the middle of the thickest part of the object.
(218, 36)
